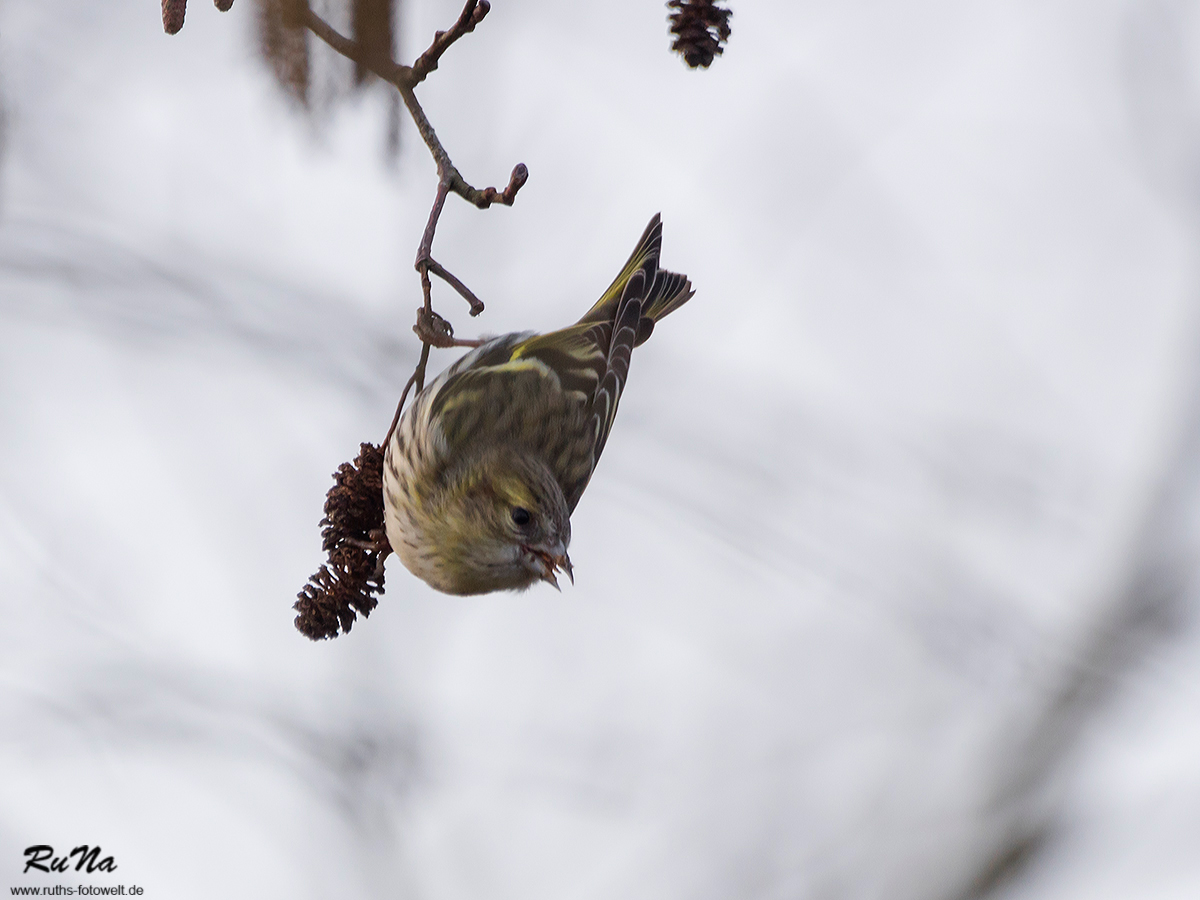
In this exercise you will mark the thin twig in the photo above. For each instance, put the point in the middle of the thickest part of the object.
(431, 328)
(489, 195)
(387, 69)
(426, 263)
(400, 406)
(426, 245)
(428, 135)
(404, 78)
(354, 530)
(419, 372)
(471, 16)
(436, 268)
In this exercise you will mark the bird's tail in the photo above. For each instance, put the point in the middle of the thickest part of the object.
(668, 290)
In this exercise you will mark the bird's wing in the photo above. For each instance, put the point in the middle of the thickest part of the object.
(624, 336)
(556, 394)
(503, 397)
(591, 359)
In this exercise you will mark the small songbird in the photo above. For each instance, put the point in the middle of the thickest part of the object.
(484, 469)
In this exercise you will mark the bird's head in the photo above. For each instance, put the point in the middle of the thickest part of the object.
(504, 523)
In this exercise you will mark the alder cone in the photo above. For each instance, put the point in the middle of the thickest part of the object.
(700, 28)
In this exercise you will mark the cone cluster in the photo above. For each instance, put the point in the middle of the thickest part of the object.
(353, 575)
(700, 28)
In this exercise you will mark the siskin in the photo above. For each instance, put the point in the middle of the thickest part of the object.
(483, 471)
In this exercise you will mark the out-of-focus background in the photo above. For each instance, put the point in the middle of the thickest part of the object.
(886, 584)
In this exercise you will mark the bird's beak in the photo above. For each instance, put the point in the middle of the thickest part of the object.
(549, 566)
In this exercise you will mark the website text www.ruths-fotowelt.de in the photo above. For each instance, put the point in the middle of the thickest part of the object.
(77, 890)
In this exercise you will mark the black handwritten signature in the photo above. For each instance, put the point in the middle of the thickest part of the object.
(90, 856)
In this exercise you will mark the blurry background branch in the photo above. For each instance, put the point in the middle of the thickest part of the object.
(1155, 597)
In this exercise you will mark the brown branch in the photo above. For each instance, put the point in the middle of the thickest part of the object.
(428, 135)
(404, 78)
(355, 570)
(353, 529)
(431, 328)
(434, 330)
(426, 245)
(426, 263)
(471, 16)
(446, 170)
(387, 69)
(437, 269)
(485, 198)
(417, 375)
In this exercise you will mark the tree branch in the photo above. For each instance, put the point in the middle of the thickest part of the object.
(471, 16)
(436, 268)
(389, 70)
(431, 328)
(358, 545)
(405, 78)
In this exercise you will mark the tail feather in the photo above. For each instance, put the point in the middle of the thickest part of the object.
(668, 290)
(671, 290)
(591, 358)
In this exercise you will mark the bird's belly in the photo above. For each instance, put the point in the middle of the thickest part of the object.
(426, 561)
(401, 516)
(419, 548)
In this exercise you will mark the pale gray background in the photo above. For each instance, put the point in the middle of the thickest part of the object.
(887, 574)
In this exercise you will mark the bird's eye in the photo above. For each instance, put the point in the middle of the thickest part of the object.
(520, 515)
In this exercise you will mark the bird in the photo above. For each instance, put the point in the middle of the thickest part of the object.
(486, 465)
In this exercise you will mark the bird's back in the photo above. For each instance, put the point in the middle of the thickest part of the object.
(553, 395)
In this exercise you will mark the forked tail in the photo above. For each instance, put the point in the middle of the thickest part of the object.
(668, 290)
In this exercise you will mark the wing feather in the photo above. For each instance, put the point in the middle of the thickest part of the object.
(511, 387)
